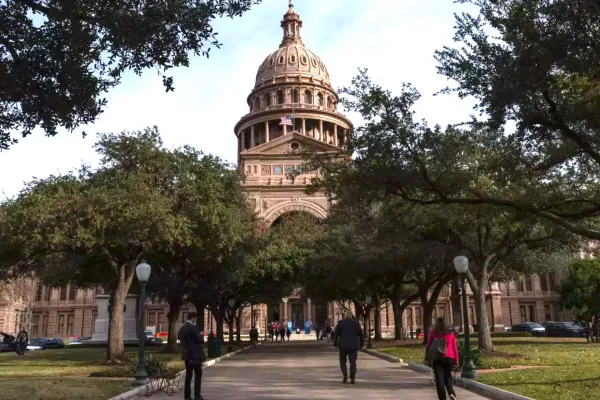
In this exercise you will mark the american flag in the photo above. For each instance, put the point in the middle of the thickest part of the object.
(287, 120)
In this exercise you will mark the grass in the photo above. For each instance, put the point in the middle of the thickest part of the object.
(65, 373)
(569, 368)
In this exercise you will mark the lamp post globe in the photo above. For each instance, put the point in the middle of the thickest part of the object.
(231, 303)
(461, 264)
(142, 271)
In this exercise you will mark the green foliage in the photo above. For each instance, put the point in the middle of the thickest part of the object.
(580, 290)
(477, 356)
(153, 366)
(43, 87)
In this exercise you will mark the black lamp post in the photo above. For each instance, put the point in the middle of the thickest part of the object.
(461, 263)
(368, 300)
(143, 274)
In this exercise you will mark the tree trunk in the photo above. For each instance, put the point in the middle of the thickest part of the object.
(238, 327)
(200, 306)
(173, 317)
(377, 319)
(116, 348)
(483, 332)
(395, 299)
(230, 324)
(218, 315)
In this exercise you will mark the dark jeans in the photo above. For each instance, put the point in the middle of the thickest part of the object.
(352, 355)
(192, 369)
(443, 377)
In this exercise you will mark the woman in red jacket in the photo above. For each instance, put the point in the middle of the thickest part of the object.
(443, 368)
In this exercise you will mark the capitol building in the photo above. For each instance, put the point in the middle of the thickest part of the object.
(292, 106)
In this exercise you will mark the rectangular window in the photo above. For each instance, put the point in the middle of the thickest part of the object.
(61, 325)
(544, 282)
(409, 316)
(473, 317)
(443, 313)
(418, 316)
(184, 315)
(72, 292)
(519, 286)
(47, 293)
(63, 293)
(532, 316)
(161, 321)
(38, 293)
(553, 285)
(35, 323)
(70, 324)
(151, 319)
(434, 313)
(528, 283)
(547, 313)
(523, 312)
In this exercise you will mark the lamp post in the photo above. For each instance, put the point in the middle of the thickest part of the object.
(368, 300)
(461, 263)
(143, 274)
(231, 303)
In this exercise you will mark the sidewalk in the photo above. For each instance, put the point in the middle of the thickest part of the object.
(310, 370)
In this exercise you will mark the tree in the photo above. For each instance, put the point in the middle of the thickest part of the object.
(96, 226)
(533, 63)
(58, 57)
(580, 291)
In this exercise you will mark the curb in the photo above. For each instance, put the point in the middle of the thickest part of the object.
(477, 387)
(141, 391)
(383, 356)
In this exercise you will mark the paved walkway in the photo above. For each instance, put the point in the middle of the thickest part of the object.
(310, 370)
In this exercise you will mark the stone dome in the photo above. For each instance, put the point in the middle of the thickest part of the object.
(292, 57)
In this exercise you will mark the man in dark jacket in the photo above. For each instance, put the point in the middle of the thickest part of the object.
(348, 338)
(193, 355)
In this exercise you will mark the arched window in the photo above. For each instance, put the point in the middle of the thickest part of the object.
(280, 97)
(308, 97)
(257, 104)
(320, 99)
(268, 99)
(329, 102)
(295, 96)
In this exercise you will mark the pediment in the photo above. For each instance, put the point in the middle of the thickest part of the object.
(281, 145)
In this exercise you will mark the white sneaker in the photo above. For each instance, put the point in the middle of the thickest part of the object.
(452, 397)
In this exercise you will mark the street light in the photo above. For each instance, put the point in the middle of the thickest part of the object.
(368, 301)
(143, 274)
(461, 263)
(231, 303)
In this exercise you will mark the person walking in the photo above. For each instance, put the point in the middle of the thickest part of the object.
(193, 355)
(348, 338)
(442, 353)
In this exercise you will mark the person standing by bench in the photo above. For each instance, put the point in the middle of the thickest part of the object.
(193, 355)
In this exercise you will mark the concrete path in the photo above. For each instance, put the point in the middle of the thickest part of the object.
(310, 370)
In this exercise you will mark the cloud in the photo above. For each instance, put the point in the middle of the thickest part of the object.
(394, 39)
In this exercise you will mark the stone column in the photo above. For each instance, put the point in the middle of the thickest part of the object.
(496, 304)
(267, 131)
(285, 311)
(304, 126)
(252, 136)
(321, 130)
(335, 138)
(309, 309)
(243, 136)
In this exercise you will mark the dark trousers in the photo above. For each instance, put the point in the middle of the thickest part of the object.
(192, 369)
(443, 377)
(351, 355)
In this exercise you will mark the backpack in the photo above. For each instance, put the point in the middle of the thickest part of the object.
(437, 350)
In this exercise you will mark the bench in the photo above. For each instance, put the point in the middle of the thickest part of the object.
(168, 383)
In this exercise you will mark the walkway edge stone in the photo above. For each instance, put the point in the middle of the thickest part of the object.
(141, 391)
(383, 356)
(477, 387)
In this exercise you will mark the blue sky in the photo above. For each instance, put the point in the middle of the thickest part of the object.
(395, 39)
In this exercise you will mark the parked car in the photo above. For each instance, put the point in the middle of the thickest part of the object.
(151, 340)
(531, 327)
(8, 342)
(78, 341)
(37, 344)
(564, 329)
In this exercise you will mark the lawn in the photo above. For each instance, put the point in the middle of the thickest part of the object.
(65, 374)
(568, 368)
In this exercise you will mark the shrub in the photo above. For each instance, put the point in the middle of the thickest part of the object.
(154, 367)
(476, 355)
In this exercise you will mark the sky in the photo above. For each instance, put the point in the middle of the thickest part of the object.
(394, 39)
